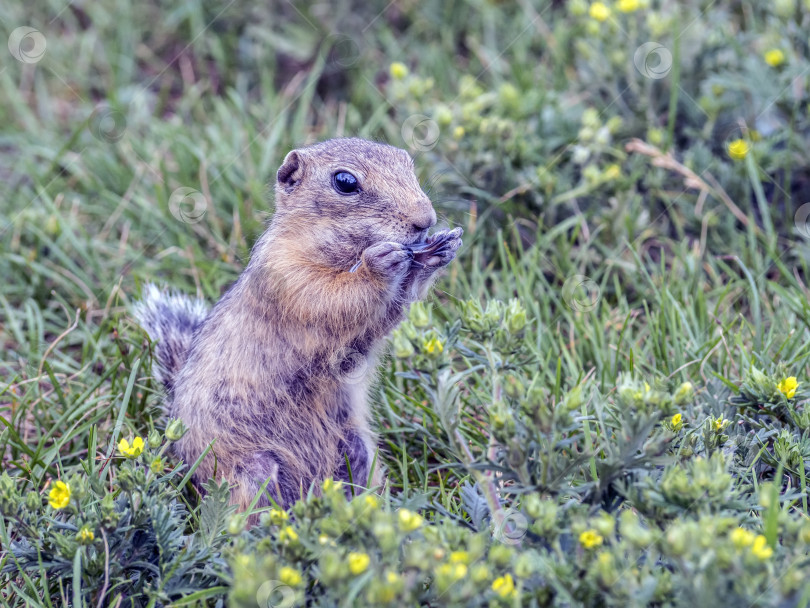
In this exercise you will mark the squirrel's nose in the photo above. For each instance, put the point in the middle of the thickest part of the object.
(425, 220)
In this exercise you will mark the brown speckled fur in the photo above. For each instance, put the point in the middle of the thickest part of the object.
(277, 373)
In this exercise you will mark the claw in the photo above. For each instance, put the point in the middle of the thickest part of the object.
(435, 244)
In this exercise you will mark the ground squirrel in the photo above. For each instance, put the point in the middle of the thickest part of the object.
(277, 372)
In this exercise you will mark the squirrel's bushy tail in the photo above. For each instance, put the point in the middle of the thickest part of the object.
(170, 319)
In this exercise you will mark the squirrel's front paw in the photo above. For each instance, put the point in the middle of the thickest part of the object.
(440, 250)
(390, 261)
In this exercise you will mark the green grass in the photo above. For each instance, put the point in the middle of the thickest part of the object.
(697, 269)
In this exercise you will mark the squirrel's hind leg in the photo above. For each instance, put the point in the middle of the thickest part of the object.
(355, 465)
(249, 477)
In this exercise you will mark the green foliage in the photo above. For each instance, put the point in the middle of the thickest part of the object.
(113, 541)
(605, 401)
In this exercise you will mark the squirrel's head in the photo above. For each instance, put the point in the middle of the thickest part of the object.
(352, 193)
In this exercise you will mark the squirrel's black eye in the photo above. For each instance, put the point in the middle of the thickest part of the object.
(345, 183)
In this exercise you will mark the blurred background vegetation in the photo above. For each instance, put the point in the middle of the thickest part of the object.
(634, 173)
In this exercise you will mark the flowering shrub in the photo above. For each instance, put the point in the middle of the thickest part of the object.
(580, 497)
(113, 531)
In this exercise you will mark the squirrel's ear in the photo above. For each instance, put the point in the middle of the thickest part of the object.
(291, 171)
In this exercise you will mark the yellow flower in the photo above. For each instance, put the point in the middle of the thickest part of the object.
(85, 536)
(599, 11)
(398, 70)
(760, 548)
(288, 534)
(388, 592)
(590, 539)
(358, 562)
(434, 346)
(392, 578)
(676, 422)
(372, 502)
(504, 586)
(330, 485)
(290, 576)
(460, 557)
(742, 538)
(409, 521)
(774, 58)
(59, 496)
(614, 172)
(738, 149)
(277, 516)
(480, 573)
(720, 424)
(788, 387)
(684, 394)
(628, 6)
(458, 132)
(131, 451)
(452, 571)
